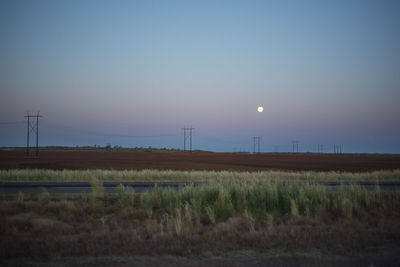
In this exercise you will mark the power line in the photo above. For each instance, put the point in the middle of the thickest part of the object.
(85, 132)
(11, 122)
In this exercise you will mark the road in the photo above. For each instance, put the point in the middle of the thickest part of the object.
(140, 187)
(83, 187)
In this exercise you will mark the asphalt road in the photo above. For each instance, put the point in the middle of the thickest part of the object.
(83, 187)
(140, 187)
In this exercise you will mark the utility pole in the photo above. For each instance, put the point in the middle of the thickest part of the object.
(320, 148)
(37, 134)
(190, 129)
(27, 136)
(256, 140)
(295, 146)
(187, 134)
(337, 149)
(184, 139)
(35, 129)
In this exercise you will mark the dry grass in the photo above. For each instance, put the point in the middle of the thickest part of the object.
(36, 175)
(220, 217)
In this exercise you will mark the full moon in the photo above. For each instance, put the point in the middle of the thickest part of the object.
(260, 109)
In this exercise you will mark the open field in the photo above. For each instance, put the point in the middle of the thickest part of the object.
(281, 224)
(58, 160)
(245, 215)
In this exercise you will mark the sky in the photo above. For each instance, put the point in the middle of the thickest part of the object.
(133, 73)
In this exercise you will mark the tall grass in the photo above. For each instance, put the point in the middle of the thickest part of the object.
(245, 213)
(36, 175)
(97, 188)
(125, 196)
(260, 201)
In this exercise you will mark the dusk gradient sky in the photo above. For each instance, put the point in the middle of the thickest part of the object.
(133, 73)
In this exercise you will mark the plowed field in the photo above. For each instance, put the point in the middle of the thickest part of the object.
(12, 159)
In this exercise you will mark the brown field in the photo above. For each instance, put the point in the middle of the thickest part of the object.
(13, 159)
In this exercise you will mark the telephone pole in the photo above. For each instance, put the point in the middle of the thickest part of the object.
(32, 128)
(187, 134)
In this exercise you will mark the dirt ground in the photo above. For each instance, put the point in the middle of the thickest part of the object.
(385, 256)
(12, 159)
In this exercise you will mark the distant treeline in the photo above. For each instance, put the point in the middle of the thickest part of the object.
(107, 147)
